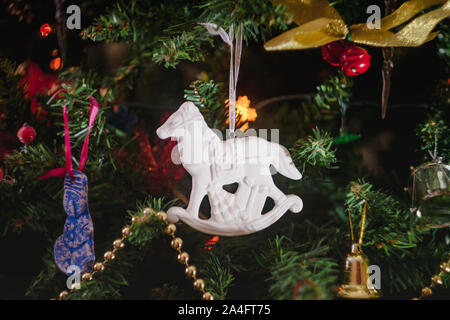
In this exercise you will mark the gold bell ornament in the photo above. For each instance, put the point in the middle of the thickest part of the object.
(357, 284)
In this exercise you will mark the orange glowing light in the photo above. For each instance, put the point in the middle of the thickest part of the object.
(211, 242)
(56, 64)
(244, 111)
(45, 29)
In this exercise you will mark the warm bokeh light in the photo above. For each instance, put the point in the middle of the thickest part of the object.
(211, 242)
(56, 64)
(45, 29)
(244, 111)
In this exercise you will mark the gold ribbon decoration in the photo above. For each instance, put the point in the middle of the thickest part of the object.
(363, 225)
(319, 24)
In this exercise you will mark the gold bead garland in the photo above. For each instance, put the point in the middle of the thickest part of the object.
(191, 271)
(87, 276)
(108, 256)
(436, 280)
(183, 257)
(63, 295)
(100, 266)
(176, 244)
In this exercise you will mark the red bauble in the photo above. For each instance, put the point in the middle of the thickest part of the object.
(1, 174)
(354, 61)
(332, 51)
(26, 134)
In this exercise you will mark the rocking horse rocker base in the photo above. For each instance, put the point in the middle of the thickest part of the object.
(215, 227)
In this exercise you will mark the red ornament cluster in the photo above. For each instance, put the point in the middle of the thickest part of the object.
(26, 134)
(34, 82)
(162, 174)
(352, 59)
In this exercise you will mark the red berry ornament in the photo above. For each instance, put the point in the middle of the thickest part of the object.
(26, 134)
(354, 61)
(332, 51)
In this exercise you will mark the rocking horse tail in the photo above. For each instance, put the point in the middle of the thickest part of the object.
(282, 161)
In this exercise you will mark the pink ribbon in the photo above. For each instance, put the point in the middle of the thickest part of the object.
(61, 172)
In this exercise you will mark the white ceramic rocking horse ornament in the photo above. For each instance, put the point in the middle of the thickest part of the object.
(213, 163)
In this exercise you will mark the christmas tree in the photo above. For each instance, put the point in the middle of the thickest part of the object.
(359, 99)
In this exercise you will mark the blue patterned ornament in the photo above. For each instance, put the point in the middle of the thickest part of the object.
(75, 247)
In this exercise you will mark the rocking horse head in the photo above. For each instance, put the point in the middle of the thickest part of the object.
(176, 125)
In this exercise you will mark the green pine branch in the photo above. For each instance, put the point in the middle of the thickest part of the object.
(218, 275)
(335, 93)
(209, 98)
(296, 275)
(434, 135)
(170, 30)
(395, 239)
(314, 151)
